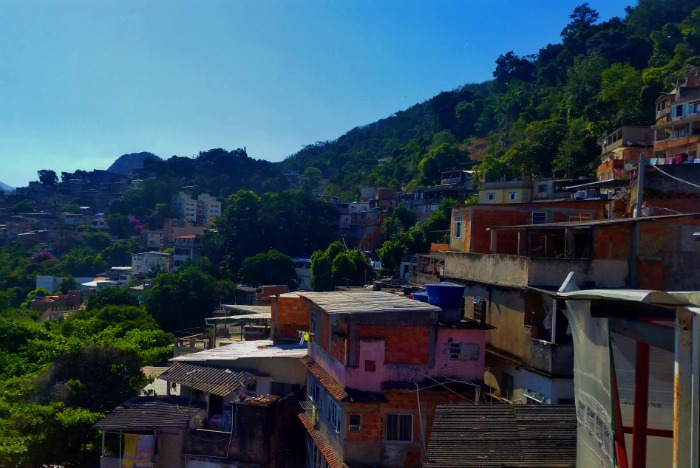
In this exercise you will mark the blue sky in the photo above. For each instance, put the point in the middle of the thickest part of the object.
(82, 82)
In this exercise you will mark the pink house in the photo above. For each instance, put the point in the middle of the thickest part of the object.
(378, 365)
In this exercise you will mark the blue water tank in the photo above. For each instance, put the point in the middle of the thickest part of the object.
(445, 295)
(420, 296)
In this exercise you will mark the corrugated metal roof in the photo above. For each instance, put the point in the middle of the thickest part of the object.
(248, 309)
(496, 435)
(147, 413)
(362, 301)
(237, 318)
(207, 379)
(246, 349)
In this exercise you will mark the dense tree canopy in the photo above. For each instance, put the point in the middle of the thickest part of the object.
(271, 267)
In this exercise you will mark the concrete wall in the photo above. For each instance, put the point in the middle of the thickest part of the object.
(517, 271)
(507, 270)
(554, 389)
(553, 272)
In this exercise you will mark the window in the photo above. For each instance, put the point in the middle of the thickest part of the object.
(399, 427)
(354, 423)
(512, 195)
(316, 395)
(539, 217)
(464, 351)
(506, 386)
(312, 325)
(542, 188)
(458, 226)
(333, 414)
(490, 195)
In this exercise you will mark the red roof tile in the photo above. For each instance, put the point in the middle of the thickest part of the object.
(336, 390)
(321, 441)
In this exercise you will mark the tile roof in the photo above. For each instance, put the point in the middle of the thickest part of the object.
(359, 301)
(322, 442)
(214, 380)
(494, 435)
(246, 349)
(336, 390)
(147, 413)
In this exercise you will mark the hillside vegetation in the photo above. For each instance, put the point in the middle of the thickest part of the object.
(542, 115)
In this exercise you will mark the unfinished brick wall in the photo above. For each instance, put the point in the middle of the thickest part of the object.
(293, 314)
(371, 429)
(404, 344)
(612, 242)
(338, 341)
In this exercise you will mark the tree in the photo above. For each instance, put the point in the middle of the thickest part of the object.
(47, 177)
(272, 267)
(67, 284)
(119, 253)
(576, 33)
(24, 206)
(510, 66)
(338, 266)
(390, 254)
(115, 296)
(311, 178)
(183, 299)
(119, 225)
(351, 268)
(97, 241)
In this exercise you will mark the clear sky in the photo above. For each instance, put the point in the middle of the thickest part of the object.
(83, 81)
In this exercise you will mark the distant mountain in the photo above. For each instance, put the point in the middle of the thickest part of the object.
(128, 162)
(6, 188)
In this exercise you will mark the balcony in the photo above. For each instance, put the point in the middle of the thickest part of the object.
(555, 359)
(665, 145)
(517, 271)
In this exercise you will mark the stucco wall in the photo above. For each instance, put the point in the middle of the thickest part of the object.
(471, 369)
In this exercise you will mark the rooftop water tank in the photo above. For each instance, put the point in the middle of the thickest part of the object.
(447, 296)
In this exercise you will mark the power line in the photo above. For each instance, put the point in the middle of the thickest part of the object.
(676, 178)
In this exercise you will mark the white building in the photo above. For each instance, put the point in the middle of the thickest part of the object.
(208, 208)
(151, 262)
(202, 210)
(186, 206)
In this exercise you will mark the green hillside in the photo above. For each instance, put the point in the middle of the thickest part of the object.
(541, 115)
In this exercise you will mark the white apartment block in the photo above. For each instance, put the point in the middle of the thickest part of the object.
(186, 206)
(208, 208)
(201, 210)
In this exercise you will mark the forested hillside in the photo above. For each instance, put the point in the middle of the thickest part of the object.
(542, 115)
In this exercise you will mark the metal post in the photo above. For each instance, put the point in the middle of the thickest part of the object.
(641, 406)
(640, 188)
(682, 384)
(618, 431)
(554, 320)
(695, 394)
